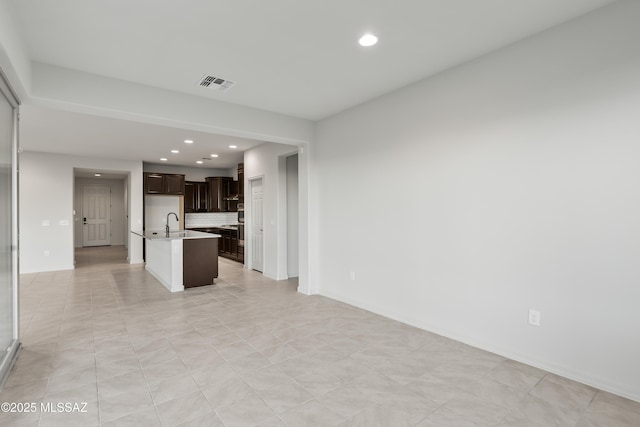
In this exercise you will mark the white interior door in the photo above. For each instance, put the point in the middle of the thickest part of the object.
(257, 226)
(96, 215)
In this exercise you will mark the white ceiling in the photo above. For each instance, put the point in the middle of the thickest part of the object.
(298, 58)
(93, 136)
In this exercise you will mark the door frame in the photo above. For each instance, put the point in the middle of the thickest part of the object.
(11, 353)
(248, 212)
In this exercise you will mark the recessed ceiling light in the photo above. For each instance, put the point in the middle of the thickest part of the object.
(164, 159)
(97, 174)
(199, 162)
(188, 141)
(175, 151)
(214, 155)
(233, 146)
(368, 40)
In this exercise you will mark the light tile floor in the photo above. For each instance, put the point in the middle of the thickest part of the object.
(251, 351)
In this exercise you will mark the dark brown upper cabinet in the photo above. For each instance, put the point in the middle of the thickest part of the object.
(219, 187)
(162, 183)
(189, 197)
(196, 197)
(223, 194)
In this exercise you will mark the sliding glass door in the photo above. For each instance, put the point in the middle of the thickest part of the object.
(8, 230)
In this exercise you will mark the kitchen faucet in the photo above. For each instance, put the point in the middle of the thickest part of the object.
(167, 226)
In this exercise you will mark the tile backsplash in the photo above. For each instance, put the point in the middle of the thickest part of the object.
(209, 219)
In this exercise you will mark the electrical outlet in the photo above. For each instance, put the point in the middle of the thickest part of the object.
(534, 317)
(46, 253)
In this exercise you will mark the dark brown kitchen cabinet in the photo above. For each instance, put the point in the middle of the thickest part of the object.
(189, 197)
(220, 188)
(153, 183)
(162, 183)
(228, 244)
(196, 197)
(200, 262)
(216, 194)
(174, 184)
(232, 196)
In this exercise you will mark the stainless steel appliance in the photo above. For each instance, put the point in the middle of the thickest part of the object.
(241, 213)
(241, 228)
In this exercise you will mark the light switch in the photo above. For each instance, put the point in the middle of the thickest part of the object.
(63, 222)
(46, 223)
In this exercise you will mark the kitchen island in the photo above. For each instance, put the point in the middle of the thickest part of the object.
(182, 259)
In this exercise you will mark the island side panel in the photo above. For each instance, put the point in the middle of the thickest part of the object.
(164, 262)
(200, 262)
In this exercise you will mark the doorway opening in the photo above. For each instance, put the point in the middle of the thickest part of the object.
(256, 230)
(100, 217)
(292, 202)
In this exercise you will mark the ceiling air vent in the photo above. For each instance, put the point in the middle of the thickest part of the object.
(215, 83)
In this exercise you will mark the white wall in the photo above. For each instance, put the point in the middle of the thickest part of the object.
(118, 210)
(516, 177)
(156, 210)
(263, 162)
(233, 172)
(46, 193)
(209, 219)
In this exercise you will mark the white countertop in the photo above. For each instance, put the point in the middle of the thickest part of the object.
(225, 227)
(175, 235)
